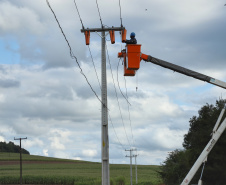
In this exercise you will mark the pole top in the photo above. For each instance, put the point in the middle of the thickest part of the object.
(20, 138)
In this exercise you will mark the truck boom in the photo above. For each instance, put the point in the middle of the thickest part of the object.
(184, 71)
(132, 57)
(216, 135)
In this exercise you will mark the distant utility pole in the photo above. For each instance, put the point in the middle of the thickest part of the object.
(131, 170)
(20, 158)
(104, 108)
(136, 166)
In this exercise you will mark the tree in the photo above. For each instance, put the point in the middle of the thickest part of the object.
(179, 162)
(11, 147)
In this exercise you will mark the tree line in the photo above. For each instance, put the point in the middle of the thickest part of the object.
(179, 162)
(11, 148)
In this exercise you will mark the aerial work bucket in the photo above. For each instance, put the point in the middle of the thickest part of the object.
(133, 55)
(128, 72)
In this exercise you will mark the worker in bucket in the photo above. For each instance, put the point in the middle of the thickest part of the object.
(132, 40)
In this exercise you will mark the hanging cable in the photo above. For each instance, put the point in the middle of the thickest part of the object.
(116, 133)
(79, 14)
(117, 97)
(99, 13)
(129, 113)
(119, 85)
(136, 80)
(100, 89)
(94, 67)
(88, 45)
(120, 12)
(72, 54)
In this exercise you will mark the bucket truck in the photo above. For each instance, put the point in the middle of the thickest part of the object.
(132, 56)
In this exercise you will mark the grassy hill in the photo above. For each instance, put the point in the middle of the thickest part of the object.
(46, 170)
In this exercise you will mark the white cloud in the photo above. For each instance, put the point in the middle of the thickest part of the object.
(15, 18)
(2, 97)
(77, 158)
(89, 153)
(45, 152)
(45, 98)
(2, 139)
(59, 138)
(33, 143)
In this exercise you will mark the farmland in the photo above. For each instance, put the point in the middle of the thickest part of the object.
(46, 170)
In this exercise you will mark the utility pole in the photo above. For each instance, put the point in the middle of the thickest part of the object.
(104, 108)
(136, 166)
(131, 170)
(20, 158)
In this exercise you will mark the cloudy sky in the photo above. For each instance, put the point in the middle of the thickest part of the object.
(43, 95)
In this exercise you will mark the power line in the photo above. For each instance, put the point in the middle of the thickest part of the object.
(115, 132)
(129, 113)
(120, 11)
(72, 54)
(79, 14)
(94, 66)
(117, 97)
(119, 85)
(88, 45)
(99, 13)
(100, 89)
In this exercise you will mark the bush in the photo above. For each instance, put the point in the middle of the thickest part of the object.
(120, 180)
(145, 183)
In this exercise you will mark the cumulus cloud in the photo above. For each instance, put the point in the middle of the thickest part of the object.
(7, 83)
(44, 96)
(89, 153)
(2, 139)
(22, 19)
(45, 152)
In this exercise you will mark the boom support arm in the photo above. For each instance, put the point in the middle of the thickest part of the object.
(183, 70)
(217, 132)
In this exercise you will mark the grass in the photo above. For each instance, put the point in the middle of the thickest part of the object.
(26, 157)
(46, 170)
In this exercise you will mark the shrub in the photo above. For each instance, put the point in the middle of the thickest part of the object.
(120, 180)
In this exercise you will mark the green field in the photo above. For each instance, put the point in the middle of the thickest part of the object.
(46, 170)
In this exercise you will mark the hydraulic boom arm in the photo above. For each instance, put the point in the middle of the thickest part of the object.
(132, 56)
(183, 70)
(217, 132)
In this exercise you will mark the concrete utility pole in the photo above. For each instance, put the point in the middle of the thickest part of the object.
(136, 166)
(131, 170)
(20, 158)
(104, 108)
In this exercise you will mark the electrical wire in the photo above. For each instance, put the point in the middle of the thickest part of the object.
(117, 97)
(94, 67)
(129, 114)
(136, 80)
(88, 45)
(72, 54)
(116, 133)
(97, 74)
(120, 12)
(119, 85)
(108, 112)
(79, 14)
(99, 13)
